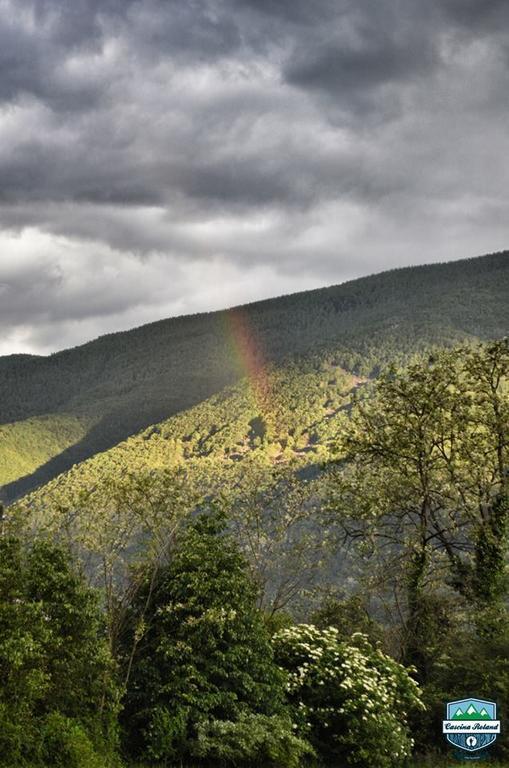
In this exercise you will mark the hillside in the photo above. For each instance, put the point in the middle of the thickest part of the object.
(261, 446)
(288, 417)
(27, 444)
(119, 384)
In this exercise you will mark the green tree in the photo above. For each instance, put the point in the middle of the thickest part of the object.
(487, 374)
(349, 615)
(276, 517)
(423, 485)
(54, 661)
(203, 665)
(117, 522)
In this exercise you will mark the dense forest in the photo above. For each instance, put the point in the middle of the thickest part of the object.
(61, 409)
(295, 572)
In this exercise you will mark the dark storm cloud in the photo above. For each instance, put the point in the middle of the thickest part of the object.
(160, 156)
(35, 40)
(363, 51)
(476, 14)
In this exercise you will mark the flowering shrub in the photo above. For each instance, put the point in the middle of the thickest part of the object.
(253, 740)
(350, 700)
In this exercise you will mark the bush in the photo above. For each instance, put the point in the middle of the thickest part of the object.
(65, 744)
(350, 700)
(253, 741)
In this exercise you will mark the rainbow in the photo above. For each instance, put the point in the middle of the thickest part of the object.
(250, 359)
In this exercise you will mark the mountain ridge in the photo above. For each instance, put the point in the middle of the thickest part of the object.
(470, 261)
(121, 383)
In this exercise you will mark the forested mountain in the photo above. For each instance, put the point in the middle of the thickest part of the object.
(288, 417)
(61, 409)
(246, 447)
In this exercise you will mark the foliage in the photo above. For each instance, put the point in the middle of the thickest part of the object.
(253, 740)
(65, 744)
(350, 700)
(202, 658)
(129, 525)
(423, 483)
(465, 662)
(348, 615)
(277, 519)
(53, 660)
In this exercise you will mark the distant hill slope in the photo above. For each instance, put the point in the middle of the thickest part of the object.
(262, 447)
(289, 417)
(27, 444)
(121, 383)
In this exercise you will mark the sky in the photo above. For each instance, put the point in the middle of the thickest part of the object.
(163, 157)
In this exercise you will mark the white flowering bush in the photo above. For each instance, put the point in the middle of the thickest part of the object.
(350, 700)
(253, 741)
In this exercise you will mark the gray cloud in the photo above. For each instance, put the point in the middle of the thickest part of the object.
(363, 51)
(476, 14)
(159, 157)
